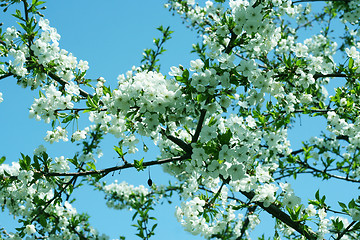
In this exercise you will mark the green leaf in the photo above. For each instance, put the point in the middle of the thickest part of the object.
(321, 105)
(352, 204)
(90, 102)
(153, 227)
(138, 164)
(25, 162)
(68, 118)
(2, 159)
(186, 74)
(119, 151)
(225, 138)
(106, 90)
(351, 63)
(317, 195)
(42, 221)
(36, 163)
(91, 165)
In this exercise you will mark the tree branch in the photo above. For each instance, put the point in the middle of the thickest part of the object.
(283, 217)
(230, 46)
(106, 171)
(299, 1)
(327, 173)
(54, 198)
(229, 197)
(199, 126)
(309, 22)
(183, 145)
(3, 43)
(319, 75)
(250, 210)
(6, 75)
(64, 82)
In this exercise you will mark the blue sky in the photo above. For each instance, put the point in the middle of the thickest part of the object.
(111, 37)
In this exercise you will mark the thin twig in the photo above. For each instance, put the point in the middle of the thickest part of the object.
(309, 22)
(230, 46)
(229, 197)
(325, 172)
(53, 199)
(345, 230)
(106, 171)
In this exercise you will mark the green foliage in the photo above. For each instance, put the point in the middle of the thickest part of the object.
(150, 58)
(138, 164)
(319, 201)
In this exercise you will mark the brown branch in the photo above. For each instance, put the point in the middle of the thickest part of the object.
(250, 210)
(283, 217)
(327, 173)
(6, 75)
(290, 174)
(183, 145)
(54, 198)
(230, 46)
(3, 43)
(106, 171)
(299, 1)
(199, 126)
(307, 110)
(319, 75)
(64, 82)
(217, 194)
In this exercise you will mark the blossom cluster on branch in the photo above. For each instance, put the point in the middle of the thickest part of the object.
(221, 125)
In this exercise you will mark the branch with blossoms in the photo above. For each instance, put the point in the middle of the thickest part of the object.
(249, 211)
(299, 1)
(64, 82)
(105, 171)
(280, 215)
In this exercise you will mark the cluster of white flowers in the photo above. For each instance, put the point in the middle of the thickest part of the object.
(57, 134)
(122, 195)
(354, 53)
(291, 200)
(146, 96)
(17, 66)
(46, 106)
(20, 198)
(353, 15)
(10, 34)
(46, 49)
(191, 215)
